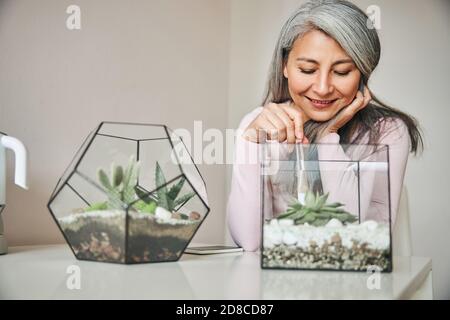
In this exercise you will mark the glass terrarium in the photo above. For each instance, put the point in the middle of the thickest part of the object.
(132, 194)
(326, 206)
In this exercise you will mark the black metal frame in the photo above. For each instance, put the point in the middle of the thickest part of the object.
(85, 147)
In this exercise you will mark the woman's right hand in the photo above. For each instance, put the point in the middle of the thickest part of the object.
(282, 122)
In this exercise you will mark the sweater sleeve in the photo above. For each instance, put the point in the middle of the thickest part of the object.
(244, 202)
(342, 184)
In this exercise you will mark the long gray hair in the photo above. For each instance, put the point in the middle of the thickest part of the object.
(352, 29)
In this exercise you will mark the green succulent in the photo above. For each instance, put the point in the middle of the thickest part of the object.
(315, 211)
(168, 199)
(97, 206)
(143, 206)
(119, 186)
(122, 189)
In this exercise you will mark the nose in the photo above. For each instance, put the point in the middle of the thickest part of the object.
(322, 85)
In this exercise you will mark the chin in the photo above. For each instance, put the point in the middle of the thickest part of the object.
(320, 116)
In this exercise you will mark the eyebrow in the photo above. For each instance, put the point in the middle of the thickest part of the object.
(334, 63)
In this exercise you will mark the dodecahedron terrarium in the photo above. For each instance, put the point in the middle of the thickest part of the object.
(326, 207)
(132, 194)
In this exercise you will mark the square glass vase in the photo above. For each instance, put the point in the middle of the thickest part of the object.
(325, 207)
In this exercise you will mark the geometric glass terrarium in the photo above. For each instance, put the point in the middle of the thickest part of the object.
(132, 194)
(326, 207)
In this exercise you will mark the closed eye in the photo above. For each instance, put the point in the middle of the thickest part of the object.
(342, 73)
(307, 71)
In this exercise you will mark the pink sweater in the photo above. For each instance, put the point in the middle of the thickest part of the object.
(244, 204)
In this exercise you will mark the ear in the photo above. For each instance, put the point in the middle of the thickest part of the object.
(285, 73)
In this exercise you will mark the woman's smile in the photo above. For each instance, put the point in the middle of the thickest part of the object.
(321, 104)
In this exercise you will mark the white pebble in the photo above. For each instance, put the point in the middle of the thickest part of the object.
(268, 244)
(274, 222)
(334, 223)
(370, 225)
(162, 213)
(289, 239)
(286, 222)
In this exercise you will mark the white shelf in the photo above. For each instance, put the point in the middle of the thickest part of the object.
(40, 272)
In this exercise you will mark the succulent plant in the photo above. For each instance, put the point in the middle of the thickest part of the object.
(119, 187)
(122, 189)
(147, 207)
(168, 199)
(315, 211)
(97, 206)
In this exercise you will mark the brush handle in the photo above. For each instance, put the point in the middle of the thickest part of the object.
(2, 174)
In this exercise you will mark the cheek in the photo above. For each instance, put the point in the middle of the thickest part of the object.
(298, 83)
(347, 89)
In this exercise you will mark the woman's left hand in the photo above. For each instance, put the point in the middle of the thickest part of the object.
(347, 113)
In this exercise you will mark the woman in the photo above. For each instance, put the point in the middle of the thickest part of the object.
(324, 57)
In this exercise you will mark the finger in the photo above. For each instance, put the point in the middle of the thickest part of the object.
(297, 116)
(271, 116)
(348, 112)
(269, 128)
(259, 126)
(288, 123)
(367, 97)
(251, 134)
(356, 104)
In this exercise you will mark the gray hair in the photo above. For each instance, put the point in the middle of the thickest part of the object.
(343, 21)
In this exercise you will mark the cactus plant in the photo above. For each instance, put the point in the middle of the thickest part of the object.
(315, 211)
(120, 187)
(168, 199)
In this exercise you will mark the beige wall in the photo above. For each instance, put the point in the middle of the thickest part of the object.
(159, 61)
(413, 75)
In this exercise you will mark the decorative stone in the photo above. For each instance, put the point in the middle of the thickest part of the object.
(286, 222)
(176, 215)
(289, 239)
(335, 239)
(370, 225)
(334, 223)
(194, 215)
(162, 214)
(274, 222)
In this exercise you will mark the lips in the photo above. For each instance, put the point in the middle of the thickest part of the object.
(321, 103)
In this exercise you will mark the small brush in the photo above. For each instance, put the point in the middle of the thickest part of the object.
(300, 163)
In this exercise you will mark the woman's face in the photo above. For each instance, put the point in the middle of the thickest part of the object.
(322, 78)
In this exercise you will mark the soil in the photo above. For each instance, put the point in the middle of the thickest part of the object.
(328, 256)
(103, 237)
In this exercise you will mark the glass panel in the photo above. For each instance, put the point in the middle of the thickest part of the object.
(133, 131)
(152, 152)
(92, 233)
(181, 155)
(163, 222)
(74, 161)
(103, 153)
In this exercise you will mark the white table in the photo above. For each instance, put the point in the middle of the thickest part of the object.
(40, 272)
